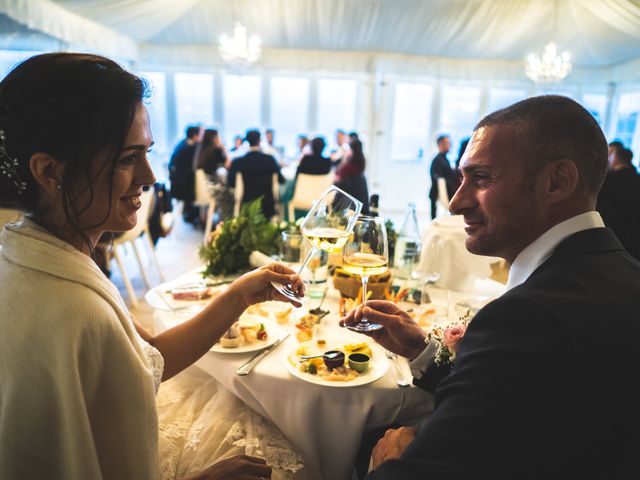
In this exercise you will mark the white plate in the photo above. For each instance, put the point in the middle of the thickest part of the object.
(377, 368)
(160, 297)
(273, 334)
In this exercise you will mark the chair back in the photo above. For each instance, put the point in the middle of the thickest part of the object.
(143, 218)
(238, 193)
(307, 190)
(443, 195)
(202, 188)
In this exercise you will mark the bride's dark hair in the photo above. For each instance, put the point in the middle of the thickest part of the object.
(74, 107)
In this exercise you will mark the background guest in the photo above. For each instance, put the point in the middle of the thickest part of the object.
(619, 199)
(314, 163)
(350, 174)
(257, 169)
(181, 173)
(212, 154)
(343, 146)
(270, 148)
(440, 168)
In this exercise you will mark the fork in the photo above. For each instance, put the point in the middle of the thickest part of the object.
(402, 381)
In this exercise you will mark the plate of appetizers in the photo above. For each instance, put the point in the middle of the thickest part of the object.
(249, 334)
(187, 292)
(337, 363)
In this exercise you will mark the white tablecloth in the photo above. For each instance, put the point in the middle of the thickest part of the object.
(324, 423)
(458, 268)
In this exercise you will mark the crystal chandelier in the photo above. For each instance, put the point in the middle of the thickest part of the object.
(549, 68)
(239, 49)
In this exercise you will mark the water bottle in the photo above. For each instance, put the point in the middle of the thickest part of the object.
(407, 252)
(373, 205)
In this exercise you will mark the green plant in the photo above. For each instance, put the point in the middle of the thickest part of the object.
(230, 245)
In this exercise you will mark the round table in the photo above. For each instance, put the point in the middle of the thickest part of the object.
(324, 423)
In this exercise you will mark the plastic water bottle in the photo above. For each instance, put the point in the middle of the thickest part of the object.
(406, 255)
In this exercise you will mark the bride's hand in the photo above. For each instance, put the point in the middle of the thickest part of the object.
(255, 286)
(240, 467)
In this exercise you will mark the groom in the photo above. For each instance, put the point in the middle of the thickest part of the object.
(546, 383)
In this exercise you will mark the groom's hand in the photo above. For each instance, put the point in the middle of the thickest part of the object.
(401, 334)
(392, 445)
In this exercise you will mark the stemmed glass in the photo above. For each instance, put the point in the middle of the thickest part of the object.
(327, 226)
(366, 253)
(431, 271)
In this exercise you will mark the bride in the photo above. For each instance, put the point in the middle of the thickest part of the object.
(79, 376)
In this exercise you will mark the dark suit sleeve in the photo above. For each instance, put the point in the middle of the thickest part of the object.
(281, 178)
(501, 402)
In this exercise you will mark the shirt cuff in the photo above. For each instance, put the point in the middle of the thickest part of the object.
(422, 362)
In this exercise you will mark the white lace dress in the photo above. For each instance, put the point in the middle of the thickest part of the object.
(201, 423)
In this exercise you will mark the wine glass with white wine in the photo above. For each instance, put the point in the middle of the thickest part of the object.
(327, 226)
(366, 253)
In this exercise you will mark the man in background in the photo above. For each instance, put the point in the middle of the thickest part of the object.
(181, 173)
(441, 168)
(619, 199)
(343, 146)
(257, 169)
(269, 147)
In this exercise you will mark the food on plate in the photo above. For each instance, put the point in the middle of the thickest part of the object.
(258, 309)
(423, 317)
(192, 292)
(231, 338)
(304, 334)
(306, 326)
(333, 365)
(282, 316)
(247, 333)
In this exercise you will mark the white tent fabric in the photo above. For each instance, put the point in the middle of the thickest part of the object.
(597, 32)
(76, 31)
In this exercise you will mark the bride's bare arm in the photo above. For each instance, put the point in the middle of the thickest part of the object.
(184, 344)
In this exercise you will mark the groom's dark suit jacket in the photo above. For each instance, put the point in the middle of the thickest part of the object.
(547, 380)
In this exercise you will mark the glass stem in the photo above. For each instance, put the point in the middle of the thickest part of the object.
(306, 260)
(365, 279)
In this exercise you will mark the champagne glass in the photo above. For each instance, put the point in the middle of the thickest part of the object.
(431, 270)
(327, 226)
(366, 253)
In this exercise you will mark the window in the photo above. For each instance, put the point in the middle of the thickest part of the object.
(459, 113)
(411, 121)
(336, 108)
(596, 103)
(194, 100)
(157, 107)
(289, 111)
(627, 118)
(241, 104)
(503, 97)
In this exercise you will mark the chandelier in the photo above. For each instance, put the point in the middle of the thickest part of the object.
(549, 68)
(239, 49)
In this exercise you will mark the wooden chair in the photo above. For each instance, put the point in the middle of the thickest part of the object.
(307, 190)
(204, 199)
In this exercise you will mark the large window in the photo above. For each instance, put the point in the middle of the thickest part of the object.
(627, 118)
(157, 107)
(194, 100)
(459, 113)
(336, 107)
(241, 104)
(596, 103)
(503, 97)
(289, 111)
(411, 121)
(10, 58)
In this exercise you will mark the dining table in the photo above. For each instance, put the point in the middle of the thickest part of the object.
(324, 421)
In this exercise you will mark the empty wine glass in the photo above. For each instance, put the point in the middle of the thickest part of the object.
(366, 253)
(431, 271)
(327, 226)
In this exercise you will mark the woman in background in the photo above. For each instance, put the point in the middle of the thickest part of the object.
(350, 174)
(79, 375)
(211, 154)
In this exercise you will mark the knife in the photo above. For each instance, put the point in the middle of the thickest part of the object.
(247, 367)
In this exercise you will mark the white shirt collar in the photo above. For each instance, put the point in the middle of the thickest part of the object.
(537, 252)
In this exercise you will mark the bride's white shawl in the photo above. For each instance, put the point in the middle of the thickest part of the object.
(76, 394)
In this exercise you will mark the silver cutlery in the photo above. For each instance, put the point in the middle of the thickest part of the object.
(247, 367)
(402, 381)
